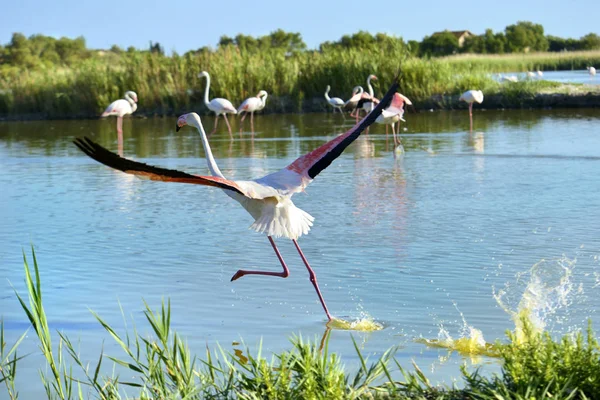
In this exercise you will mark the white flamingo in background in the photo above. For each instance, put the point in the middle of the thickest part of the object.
(369, 102)
(540, 73)
(122, 107)
(393, 114)
(472, 96)
(591, 70)
(352, 103)
(217, 105)
(335, 102)
(510, 78)
(268, 199)
(252, 104)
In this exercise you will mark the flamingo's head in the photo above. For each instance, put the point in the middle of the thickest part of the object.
(356, 90)
(372, 77)
(261, 93)
(203, 74)
(132, 94)
(185, 119)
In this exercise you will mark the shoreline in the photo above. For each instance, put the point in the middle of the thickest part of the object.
(568, 96)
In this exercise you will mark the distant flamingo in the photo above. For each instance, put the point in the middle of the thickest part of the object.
(369, 101)
(122, 107)
(267, 199)
(591, 70)
(472, 96)
(540, 73)
(393, 114)
(335, 102)
(352, 103)
(252, 104)
(217, 105)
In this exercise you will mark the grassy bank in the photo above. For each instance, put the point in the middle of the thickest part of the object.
(161, 366)
(169, 85)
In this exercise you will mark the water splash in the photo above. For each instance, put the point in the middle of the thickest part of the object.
(471, 341)
(548, 288)
(363, 323)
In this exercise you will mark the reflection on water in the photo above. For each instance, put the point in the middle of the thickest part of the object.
(401, 239)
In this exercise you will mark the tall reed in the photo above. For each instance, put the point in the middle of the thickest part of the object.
(169, 85)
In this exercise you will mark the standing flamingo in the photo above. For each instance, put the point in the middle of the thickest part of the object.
(335, 102)
(369, 101)
(217, 105)
(122, 107)
(252, 104)
(471, 96)
(591, 70)
(352, 103)
(393, 114)
(267, 199)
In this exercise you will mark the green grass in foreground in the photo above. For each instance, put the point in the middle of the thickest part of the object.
(164, 368)
(170, 85)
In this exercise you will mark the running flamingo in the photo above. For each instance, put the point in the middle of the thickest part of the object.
(217, 105)
(252, 104)
(268, 199)
(472, 96)
(393, 114)
(335, 102)
(122, 107)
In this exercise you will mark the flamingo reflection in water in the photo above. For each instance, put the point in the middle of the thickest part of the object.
(267, 199)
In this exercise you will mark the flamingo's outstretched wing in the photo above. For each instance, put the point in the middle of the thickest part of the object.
(145, 171)
(301, 172)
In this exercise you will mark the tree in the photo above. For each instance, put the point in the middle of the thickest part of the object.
(439, 44)
(591, 41)
(526, 36)
(157, 48)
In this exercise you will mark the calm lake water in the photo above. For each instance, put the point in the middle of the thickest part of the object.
(578, 76)
(419, 243)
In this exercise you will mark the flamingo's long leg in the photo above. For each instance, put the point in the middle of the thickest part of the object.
(216, 122)
(313, 279)
(228, 126)
(252, 121)
(284, 274)
(471, 117)
(120, 125)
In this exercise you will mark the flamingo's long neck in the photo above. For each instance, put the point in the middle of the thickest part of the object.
(264, 100)
(212, 164)
(131, 102)
(206, 90)
(327, 94)
(370, 87)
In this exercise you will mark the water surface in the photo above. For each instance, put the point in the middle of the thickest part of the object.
(416, 242)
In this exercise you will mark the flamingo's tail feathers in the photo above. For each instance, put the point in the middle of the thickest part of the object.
(292, 225)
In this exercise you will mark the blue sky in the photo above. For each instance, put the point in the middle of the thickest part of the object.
(185, 25)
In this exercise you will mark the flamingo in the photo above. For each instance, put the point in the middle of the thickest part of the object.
(510, 78)
(217, 105)
(591, 70)
(471, 96)
(540, 73)
(393, 114)
(352, 103)
(335, 102)
(369, 101)
(252, 104)
(267, 199)
(122, 107)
